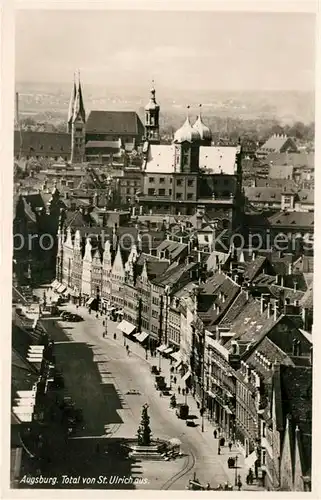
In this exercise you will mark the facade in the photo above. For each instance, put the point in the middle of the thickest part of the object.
(68, 256)
(77, 263)
(106, 272)
(86, 287)
(152, 119)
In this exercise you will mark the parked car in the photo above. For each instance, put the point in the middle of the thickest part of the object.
(182, 411)
(160, 383)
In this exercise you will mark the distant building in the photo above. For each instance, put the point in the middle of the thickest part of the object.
(278, 143)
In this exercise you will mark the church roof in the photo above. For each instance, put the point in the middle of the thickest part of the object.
(218, 159)
(115, 122)
(30, 142)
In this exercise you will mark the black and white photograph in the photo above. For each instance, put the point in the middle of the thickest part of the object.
(163, 250)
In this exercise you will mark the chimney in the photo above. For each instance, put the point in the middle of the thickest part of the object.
(294, 348)
(262, 304)
(277, 279)
(299, 348)
(295, 285)
(270, 309)
(290, 270)
(282, 282)
(304, 318)
(276, 311)
(253, 183)
(236, 278)
(253, 256)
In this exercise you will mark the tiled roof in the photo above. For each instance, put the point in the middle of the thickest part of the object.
(292, 219)
(156, 268)
(284, 184)
(275, 143)
(42, 142)
(223, 293)
(263, 194)
(218, 159)
(172, 249)
(114, 122)
(172, 276)
(160, 159)
(235, 309)
(307, 299)
(295, 159)
(306, 196)
(281, 171)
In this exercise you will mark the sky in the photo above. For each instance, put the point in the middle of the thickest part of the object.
(183, 50)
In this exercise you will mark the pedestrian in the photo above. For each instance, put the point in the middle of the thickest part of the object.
(178, 389)
(215, 434)
(208, 486)
(239, 484)
(183, 392)
(230, 446)
(174, 380)
(97, 316)
(219, 450)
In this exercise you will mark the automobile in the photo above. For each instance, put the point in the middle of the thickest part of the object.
(65, 314)
(75, 318)
(190, 423)
(182, 411)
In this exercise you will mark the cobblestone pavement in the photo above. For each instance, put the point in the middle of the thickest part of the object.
(99, 374)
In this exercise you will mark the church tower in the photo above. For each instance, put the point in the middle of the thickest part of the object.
(187, 142)
(71, 106)
(152, 119)
(78, 124)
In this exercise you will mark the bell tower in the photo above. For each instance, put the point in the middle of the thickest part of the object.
(152, 118)
(78, 124)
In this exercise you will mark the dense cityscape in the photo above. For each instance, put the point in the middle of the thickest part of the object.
(162, 306)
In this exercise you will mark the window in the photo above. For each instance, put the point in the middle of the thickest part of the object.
(225, 182)
(263, 429)
(206, 238)
(263, 457)
(161, 180)
(161, 192)
(179, 182)
(190, 196)
(151, 180)
(190, 182)
(151, 191)
(179, 196)
(170, 192)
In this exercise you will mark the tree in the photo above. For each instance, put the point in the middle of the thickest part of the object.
(144, 432)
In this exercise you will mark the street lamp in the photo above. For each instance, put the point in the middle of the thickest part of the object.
(235, 464)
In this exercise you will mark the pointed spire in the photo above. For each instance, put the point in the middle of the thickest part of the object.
(79, 108)
(200, 113)
(72, 102)
(152, 99)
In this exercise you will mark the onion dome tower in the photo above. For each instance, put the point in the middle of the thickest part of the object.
(187, 142)
(152, 118)
(204, 131)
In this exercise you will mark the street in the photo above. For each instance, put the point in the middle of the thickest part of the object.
(98, 375)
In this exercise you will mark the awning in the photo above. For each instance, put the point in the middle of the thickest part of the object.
(54, 284)
(90, 301)
(126, 327)
(186, 376)
(178, 364)
(161, 348)
(176, 355)
(250, 460)
(142, 336)
(168, 350)
(61, 288)
(68, 291)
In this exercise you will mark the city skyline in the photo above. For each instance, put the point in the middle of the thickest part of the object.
(206, 50)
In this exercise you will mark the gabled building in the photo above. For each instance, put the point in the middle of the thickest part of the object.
(278, 143)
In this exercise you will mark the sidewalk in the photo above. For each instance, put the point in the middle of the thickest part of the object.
(210, 444)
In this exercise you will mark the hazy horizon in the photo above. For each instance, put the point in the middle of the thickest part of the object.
(197, 51)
